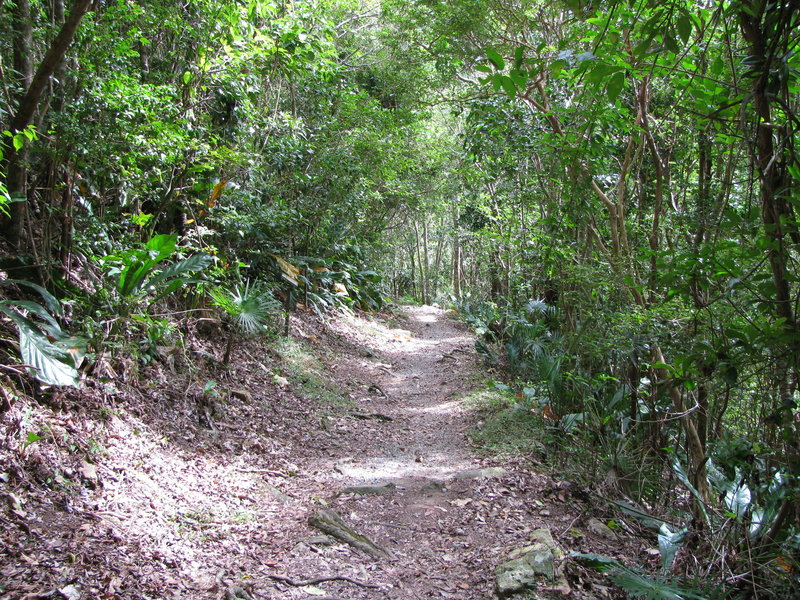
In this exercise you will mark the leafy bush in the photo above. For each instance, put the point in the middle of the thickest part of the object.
(140, 282)
(248, 306)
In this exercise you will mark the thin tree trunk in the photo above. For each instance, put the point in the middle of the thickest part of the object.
(427, 272)
(766, 28)
(413, 271)
(15, 160)
(418, 247)
(456, 258)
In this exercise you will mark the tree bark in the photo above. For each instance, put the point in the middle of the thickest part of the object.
(767, 28)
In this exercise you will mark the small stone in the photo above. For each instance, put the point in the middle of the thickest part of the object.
(528, 567)
(365, 490)
(434, 486)
(320, 540)
(276, 494)
(89, 471)
(70, 592)
(600, 529)
(487, 473)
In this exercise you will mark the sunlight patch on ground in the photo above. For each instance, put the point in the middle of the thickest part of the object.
(444, 408)
(176, 504)
(437, 465)
(426, 317)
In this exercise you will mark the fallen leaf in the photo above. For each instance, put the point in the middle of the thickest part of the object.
(88, 470)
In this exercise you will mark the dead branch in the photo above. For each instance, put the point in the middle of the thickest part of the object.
(318, 580)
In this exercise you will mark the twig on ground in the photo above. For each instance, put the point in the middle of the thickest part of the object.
(365, 416)
(264, 471)
(317, 580)
(569, 526)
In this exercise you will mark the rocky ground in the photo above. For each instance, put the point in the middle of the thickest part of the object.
(335, 464)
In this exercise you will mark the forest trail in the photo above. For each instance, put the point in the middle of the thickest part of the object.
(412, 484)
(171, 488)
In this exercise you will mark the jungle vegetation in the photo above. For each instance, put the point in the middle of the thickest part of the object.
(605, 190)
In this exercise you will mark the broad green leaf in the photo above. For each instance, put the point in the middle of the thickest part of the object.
(50, 301)
(18, 141)
(50, 325)
(163, 244)
(508, 85)
(518, 55)
(671, 43)
(194, 263)
(48, 363)
(133, 275)
(684, 25)
(615, 85)
(598, 562)
(520, 78)
(496, 59)
(669, 543)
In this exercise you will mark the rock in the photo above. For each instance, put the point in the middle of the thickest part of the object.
(600, 529)
(536, 566)
(89, 471)
(365, 490)
(237, 593)
(487, 473)
(70, 592)
(320, 540)
(276, 494)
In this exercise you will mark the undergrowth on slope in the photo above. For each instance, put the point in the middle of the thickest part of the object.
(504, 426)
(305, 373)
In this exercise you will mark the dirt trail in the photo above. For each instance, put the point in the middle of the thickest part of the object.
(450, 516)
(417, 376)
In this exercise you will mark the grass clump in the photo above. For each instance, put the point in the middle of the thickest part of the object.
(504, 426)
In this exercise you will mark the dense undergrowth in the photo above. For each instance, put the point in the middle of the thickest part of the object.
(554, 402)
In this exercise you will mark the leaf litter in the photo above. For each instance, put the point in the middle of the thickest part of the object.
(157, 485)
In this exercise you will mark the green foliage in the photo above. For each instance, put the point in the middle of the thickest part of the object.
(638, 584)
(52, 356)
(514, 429)
(250, 307)
(142, 279)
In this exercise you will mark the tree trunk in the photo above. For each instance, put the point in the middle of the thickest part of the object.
(456, 255)
(767, 29)
(26, 109)
(427, 270)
